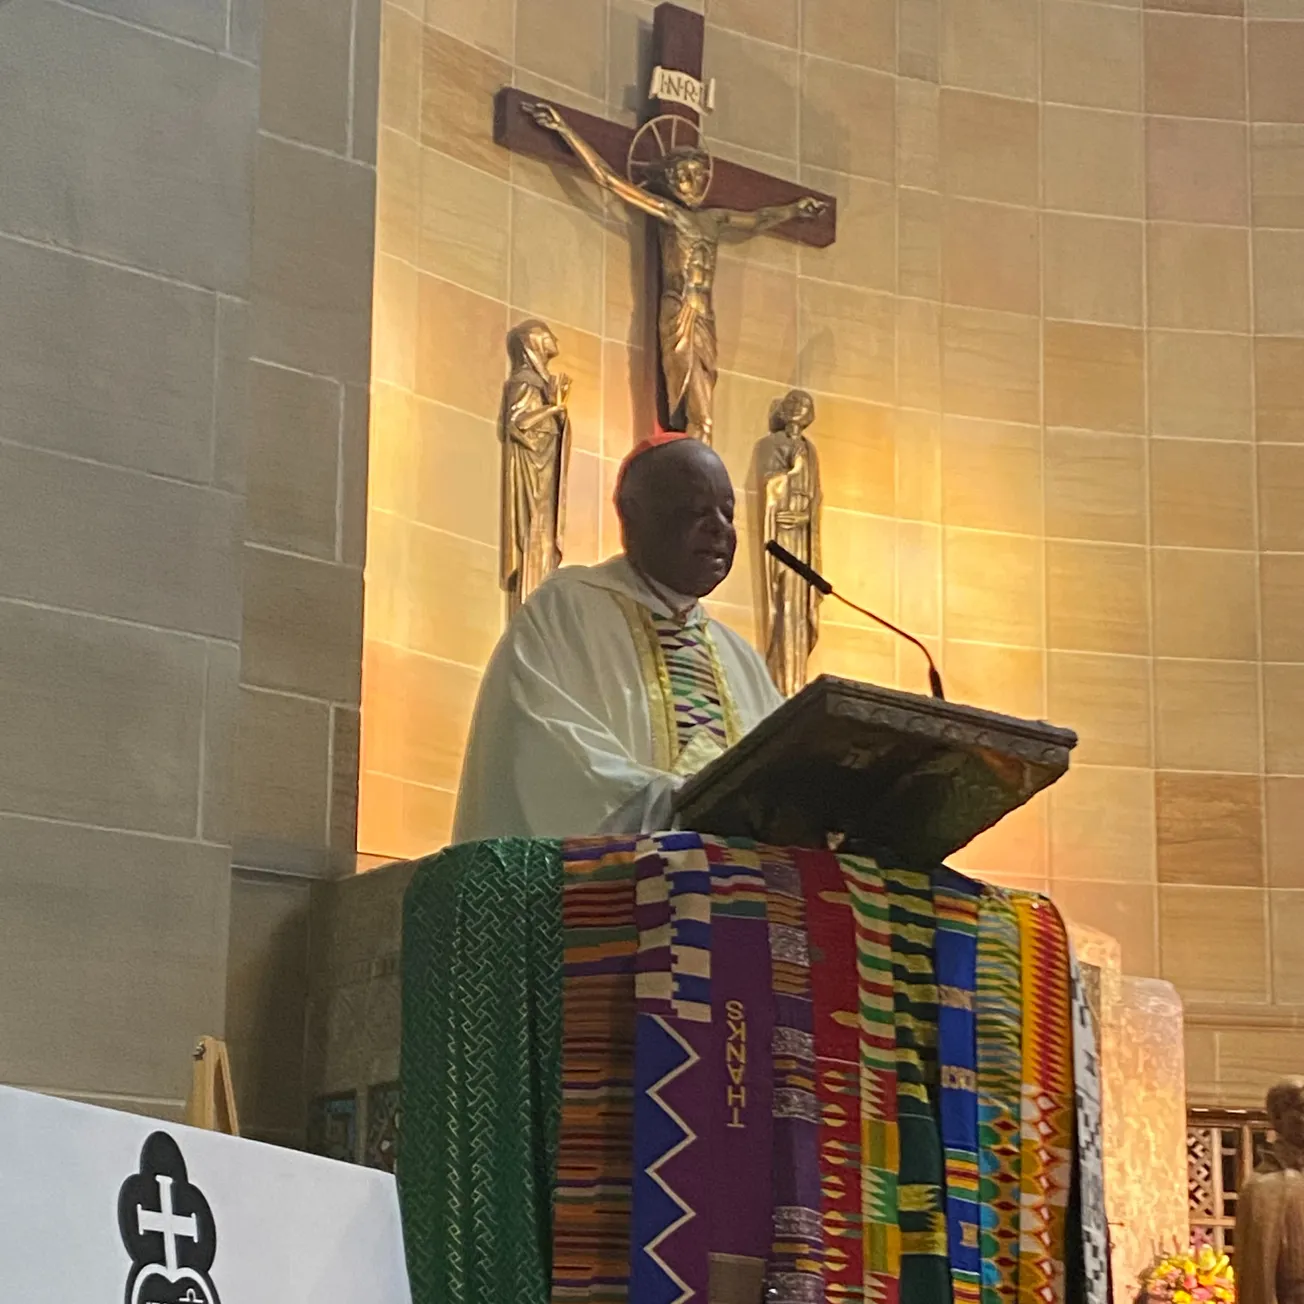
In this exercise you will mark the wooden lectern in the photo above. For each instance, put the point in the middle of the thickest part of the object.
(906, 779)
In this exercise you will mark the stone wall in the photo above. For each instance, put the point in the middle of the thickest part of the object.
(1058, 359)
(127, 155)
(309, 346)
(186, 229)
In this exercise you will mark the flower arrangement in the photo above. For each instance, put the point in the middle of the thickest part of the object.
(1192, 1276)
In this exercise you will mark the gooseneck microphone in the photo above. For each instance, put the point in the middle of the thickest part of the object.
(821, 585)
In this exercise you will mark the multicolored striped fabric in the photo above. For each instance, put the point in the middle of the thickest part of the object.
(702, 1111)
(834, 993)
(742, 1011)
(669, 1105)
(671, 1208)
(880, 1140)
(1000, 1092)
(694, 688)
(1048, 1108)
(925, 1275)
(1092, 1229)
(955, 900)
(796, 1268)
(591, 1216)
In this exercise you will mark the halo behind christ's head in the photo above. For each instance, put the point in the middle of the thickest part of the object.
(658, 142)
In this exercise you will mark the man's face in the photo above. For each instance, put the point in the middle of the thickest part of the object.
(1288, 1115)
(680, 526)
(688, 179)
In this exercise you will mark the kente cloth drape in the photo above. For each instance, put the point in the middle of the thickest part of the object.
(675, 1069)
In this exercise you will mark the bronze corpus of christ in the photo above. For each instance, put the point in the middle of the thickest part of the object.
(676, 180)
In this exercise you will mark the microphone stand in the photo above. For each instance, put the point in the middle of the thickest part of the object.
(821, 585)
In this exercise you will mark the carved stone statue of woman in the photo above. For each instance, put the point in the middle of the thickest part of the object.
(789, 476)
(536, 454)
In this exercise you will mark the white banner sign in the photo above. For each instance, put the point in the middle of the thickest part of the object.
(104, 1206)
(681, 88)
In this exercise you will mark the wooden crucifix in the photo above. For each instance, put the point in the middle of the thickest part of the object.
(664, 170)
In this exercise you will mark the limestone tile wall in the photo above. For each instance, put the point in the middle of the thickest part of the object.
(1058, 357)
(186, 265)
(307, 343)
(124, 268)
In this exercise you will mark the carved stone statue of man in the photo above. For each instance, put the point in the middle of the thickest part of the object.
(1270, 1209)
(789, 475)
(536, 454)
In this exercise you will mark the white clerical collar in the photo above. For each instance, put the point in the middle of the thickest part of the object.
(620, 575)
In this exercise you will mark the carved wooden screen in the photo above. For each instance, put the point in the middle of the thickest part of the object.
(1223, 1147)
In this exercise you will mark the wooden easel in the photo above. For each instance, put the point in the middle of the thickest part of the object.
(212, 1097)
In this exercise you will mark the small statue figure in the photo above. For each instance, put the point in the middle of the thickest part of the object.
(536, 435)
(1270, 1208)
(789, 475)
(678, 181)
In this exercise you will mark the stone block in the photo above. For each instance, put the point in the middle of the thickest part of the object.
(119, 543)
(148, 162)
(107, 364)
(124, 938)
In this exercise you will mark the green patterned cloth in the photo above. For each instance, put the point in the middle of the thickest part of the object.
(1000, 1092)
(921, 1211)
(481, 1072)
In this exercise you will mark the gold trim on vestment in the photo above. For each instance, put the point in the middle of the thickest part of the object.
(656, 681)
(733, 729)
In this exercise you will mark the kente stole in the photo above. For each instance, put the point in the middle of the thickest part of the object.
(695, 686)
(796, 1268)
(702, 1102)
(1000, 1092)
(687, 689)
(835, 998)
(925, 1275)
(880, 1142)
(591, 1213)
(1048, 1108)
(955, 900)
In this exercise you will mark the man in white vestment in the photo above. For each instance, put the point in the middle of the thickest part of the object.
(611, 685)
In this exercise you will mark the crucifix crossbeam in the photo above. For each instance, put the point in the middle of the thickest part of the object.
(664, 170)
(732, 184)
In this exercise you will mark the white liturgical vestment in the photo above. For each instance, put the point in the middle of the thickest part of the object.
(569, 736)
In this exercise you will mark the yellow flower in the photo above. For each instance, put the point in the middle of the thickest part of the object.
(1181, 1297)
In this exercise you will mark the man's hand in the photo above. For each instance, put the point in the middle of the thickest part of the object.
(808, 206)
(545, 115)
(560, 388)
